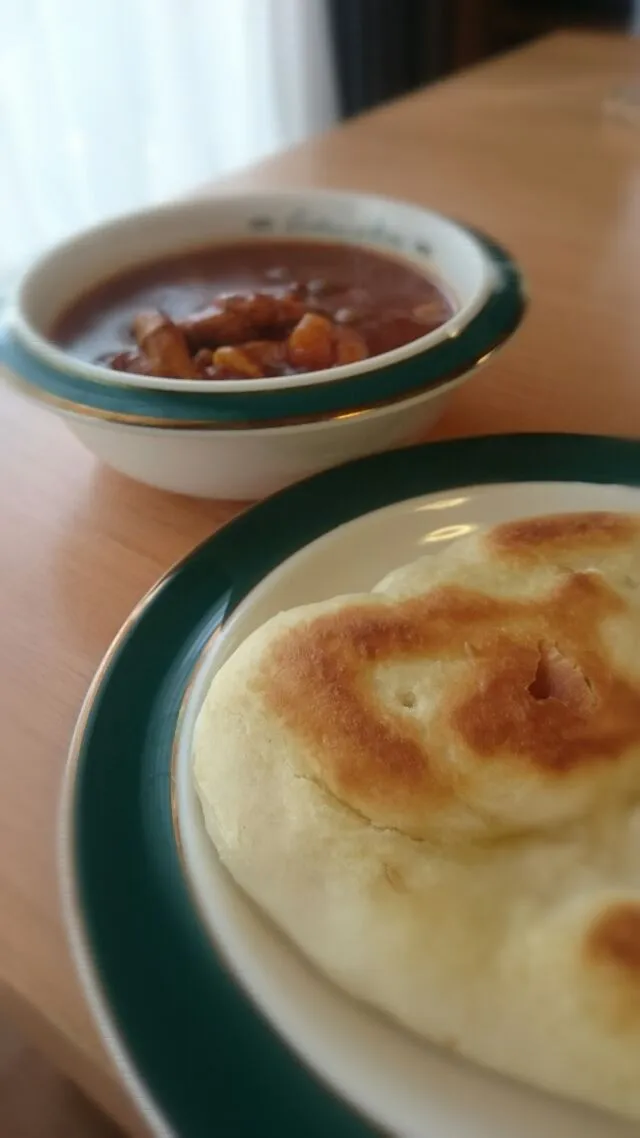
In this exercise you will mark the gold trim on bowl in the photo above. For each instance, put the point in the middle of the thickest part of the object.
(58, 403)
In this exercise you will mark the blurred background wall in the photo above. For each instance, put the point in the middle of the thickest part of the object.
(108, 105)
(386, 47)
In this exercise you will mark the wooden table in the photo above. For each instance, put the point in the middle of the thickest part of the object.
(519, 147)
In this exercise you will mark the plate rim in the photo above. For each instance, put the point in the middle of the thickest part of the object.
(576, 450)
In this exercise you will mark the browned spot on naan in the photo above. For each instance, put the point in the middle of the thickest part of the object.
(377, 758)
(615, 938)
(537, 538)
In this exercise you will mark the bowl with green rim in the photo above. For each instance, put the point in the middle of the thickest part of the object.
(175, 433)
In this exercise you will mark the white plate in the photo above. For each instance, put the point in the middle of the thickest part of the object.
(404, 1084)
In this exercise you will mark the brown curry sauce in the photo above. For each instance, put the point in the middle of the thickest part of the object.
(251, 309)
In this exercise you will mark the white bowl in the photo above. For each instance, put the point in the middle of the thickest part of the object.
(245, 465)
(239, 438)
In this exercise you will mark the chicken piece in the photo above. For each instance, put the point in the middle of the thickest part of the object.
(266, 313)
(236, 364)
(290, 309)
(212, 326)
(351, 346)
(165, 346)
(236, 319)
(203, 360)
(311, 345)
(135, 363)
(259, 309)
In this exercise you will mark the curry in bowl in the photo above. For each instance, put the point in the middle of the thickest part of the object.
(253, 309)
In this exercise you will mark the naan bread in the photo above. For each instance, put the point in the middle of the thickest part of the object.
(434, 789)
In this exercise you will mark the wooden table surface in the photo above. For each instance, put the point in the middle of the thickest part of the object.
(520, 147)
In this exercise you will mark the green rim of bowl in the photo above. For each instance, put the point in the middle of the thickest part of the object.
(199, 1057)
(446, 361)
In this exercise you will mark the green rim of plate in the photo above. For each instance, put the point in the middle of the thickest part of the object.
(493, 324)
(207, 1059)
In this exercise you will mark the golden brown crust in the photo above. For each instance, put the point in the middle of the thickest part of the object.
(537, 538)
(612, 953)
(553, 701)
(614, 938)
(311, 679)
(536, 686)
